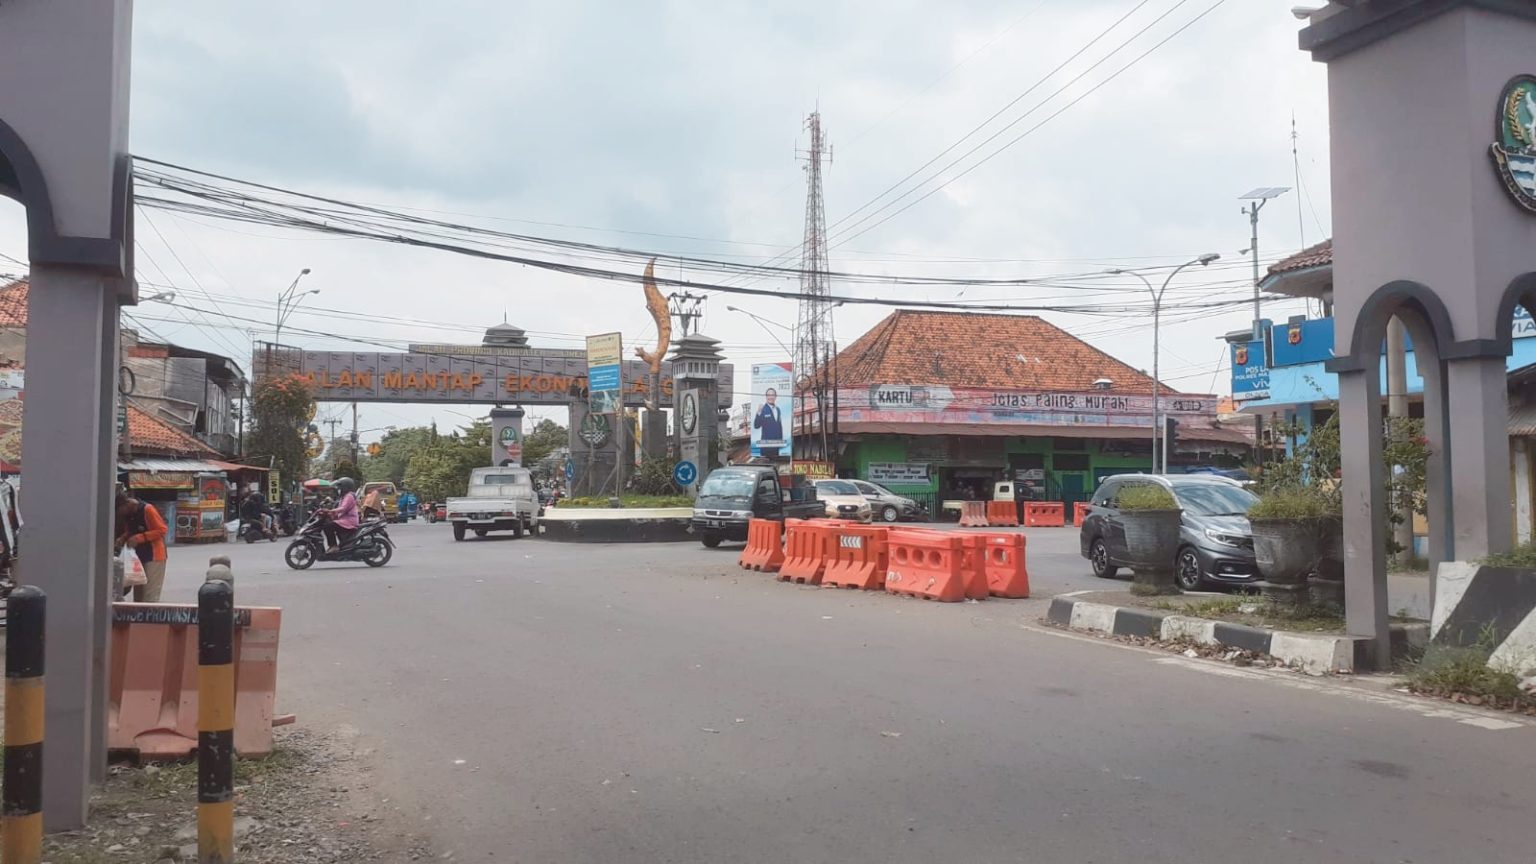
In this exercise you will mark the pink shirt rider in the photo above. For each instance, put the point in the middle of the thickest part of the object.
(345, 514)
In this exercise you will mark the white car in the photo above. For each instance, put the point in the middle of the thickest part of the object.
(843, 500)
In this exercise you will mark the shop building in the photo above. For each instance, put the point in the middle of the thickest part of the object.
(942, 405)
(1283, 380)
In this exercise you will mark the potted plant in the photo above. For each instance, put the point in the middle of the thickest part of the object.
(1151, 517)
(1290, 525)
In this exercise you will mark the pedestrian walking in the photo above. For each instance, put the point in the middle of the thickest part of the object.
(141, 527)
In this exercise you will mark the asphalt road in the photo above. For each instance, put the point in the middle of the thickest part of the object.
(539, 702)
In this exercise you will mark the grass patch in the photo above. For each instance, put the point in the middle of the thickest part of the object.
(1522, 557)
(1464, 675)
(1256, 612)
(629, 501)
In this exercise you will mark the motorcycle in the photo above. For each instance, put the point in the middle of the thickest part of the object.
(252, 530)
(288, 520)
(370, 545)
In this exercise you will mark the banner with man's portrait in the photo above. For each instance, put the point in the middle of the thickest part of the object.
(773, 408)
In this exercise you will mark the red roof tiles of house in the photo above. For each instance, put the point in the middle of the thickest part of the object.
(965, 349)
(13, 304)
(152, 436)
(1320, 255)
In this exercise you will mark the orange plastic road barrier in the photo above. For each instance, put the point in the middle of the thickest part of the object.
(973, 554)
(926, 564)
(807, 546)
(1080, 512)
(973, 514)
(1002, 562)
(765, 545)
(1002, 514)
(859, 559)
(1044, 514)
(152, 707)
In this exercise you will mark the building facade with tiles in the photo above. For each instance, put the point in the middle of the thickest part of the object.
(942, 405)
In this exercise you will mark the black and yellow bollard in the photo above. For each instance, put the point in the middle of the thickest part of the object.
(215, 723)
(23, 784)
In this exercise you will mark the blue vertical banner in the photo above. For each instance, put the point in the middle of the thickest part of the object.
(773, 409)
(605, 380)
(1250, 377)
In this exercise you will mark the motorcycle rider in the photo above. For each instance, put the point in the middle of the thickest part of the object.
(342, 524)
(256, 509)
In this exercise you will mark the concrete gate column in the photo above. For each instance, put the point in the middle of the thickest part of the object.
(1481, 501)
(1365, 509)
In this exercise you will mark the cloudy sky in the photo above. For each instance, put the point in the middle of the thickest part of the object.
(673, 126)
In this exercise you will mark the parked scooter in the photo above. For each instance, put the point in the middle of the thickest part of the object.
(370, 545)
(252, 530)
(288, 519)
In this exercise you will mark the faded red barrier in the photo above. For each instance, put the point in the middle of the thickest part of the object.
(765, 546)
(1002, 514)
(1003, 563)
(1080, 512)
(926, 564)
(859, 559)
(973, 514)
(806, 545)
(1044, 514)
(973, 554)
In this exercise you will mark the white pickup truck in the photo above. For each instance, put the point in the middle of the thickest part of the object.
(499, 499)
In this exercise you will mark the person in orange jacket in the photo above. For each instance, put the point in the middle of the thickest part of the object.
(141, 526)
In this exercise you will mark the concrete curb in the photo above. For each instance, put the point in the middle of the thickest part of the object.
(1313, 653)
(619, 529)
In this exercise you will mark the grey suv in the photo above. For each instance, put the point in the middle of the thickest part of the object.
(888, 506)
(1215, 539)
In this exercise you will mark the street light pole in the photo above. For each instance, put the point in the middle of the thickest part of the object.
(1256, 201)
(763, 323)
(287, 300)
(1157, 309)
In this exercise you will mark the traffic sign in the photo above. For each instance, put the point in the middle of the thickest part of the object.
(685, 473)
(570, 471)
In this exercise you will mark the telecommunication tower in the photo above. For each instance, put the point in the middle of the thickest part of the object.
(813, 330)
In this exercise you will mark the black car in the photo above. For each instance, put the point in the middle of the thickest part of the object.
(1215, 539)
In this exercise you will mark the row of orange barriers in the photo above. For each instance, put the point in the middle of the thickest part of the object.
(919, 562)
(1005, 514)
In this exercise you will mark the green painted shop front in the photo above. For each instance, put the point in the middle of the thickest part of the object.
(1055, 468)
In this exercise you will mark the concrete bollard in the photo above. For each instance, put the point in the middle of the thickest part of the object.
(216, 722)
(23, 784)
(219, 571)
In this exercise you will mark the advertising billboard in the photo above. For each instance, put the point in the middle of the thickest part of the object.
(605, 362)
(1250, 377)
(773, 409)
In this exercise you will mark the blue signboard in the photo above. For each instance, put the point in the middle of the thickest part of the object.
(605, 356)
(570, 471)
(685, 473)
(1310, 341)
(1250, 377)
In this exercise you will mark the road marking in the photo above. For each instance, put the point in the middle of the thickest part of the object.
(1422, 706)
(1401, 702)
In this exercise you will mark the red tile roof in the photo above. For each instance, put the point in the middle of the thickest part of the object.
(13, 304)
(149, 435)
(1320, 255)
(966, 349)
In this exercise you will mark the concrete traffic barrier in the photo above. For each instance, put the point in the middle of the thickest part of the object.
(765, 545)
(973, 553)
(1080, 512)
(859, 559)
(926, 564)
(1044, 514)
(22, 824)
(1003, 563)
(807, 544)
(973, 514)
(215, 723)
(1002, 514)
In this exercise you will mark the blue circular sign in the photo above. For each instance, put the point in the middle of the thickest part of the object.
(570, 471)
(685, 473)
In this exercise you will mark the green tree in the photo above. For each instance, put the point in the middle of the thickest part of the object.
(280, 410)
(441, 468)
(547, 437)
(396, 449)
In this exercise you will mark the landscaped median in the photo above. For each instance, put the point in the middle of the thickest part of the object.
(1313, 644)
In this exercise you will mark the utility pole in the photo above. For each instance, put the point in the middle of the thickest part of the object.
(1256, 200)
(333, 423)
(354, 434)
(813, 331)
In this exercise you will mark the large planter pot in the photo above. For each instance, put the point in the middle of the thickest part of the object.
(1325, 588)
(1151, 544)
(1287, 552)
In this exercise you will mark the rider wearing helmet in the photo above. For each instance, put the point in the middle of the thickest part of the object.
(343, 522)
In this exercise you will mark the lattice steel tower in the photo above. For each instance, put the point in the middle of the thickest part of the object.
(813, 331)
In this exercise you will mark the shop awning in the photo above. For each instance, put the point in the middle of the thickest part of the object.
(153, 465)
(1186, 433)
